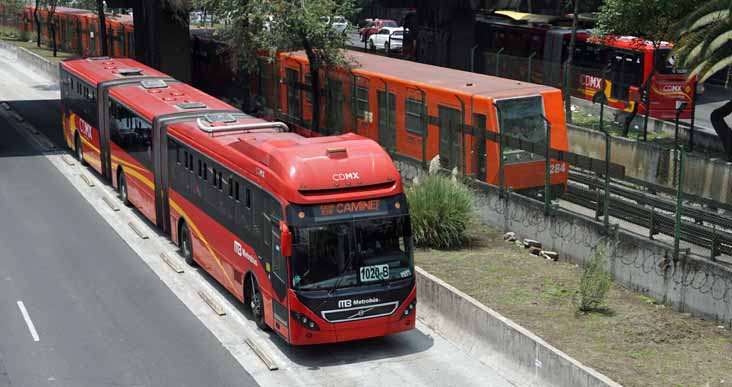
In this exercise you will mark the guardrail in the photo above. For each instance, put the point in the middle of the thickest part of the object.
(698, 226)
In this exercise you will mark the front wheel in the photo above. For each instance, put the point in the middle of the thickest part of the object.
(372, 46)
(256, 305)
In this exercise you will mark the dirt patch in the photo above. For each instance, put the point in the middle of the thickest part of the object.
(636, 342)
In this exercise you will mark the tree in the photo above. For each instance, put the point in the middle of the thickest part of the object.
(704, 46)
(647, 19)
(286, 25)
(37, 19)
(102, 27)
(51, 23)
(570, 58)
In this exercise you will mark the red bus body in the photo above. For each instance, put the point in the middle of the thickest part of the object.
(625, 63)
(260, 206)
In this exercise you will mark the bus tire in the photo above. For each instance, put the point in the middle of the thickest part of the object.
(122, 187)
(256, 303)
(186, 244)
(78, 149)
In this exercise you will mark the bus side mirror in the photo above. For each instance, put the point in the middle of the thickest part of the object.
(285, 240)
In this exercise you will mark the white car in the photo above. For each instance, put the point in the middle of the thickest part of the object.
(337, 23)
(388, 38)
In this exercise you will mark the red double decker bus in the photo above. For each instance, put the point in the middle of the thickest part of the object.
(526, 47)
(312, 233)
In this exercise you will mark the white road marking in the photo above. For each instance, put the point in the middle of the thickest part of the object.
(28, 321)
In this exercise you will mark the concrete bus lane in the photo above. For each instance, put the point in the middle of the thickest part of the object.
(419, 357)
(76, 306)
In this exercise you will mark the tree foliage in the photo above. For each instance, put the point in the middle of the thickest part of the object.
(286, 25)
(648, 19)
(704, 39)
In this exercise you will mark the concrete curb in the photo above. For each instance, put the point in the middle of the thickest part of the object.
(32, 60)
(476, 328)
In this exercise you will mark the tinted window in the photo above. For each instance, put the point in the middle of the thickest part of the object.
(131, 133)
(390, 23)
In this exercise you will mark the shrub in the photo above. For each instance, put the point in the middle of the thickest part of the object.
(440, 209)
(594, 284)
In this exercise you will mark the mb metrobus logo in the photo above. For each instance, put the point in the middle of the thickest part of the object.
(350, 303)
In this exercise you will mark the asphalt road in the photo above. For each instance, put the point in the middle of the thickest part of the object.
(108, 311)
(101, 317)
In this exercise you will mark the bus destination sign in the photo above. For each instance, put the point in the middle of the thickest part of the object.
(350, 207)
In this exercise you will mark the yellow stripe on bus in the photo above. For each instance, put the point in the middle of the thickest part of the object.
(205, 242)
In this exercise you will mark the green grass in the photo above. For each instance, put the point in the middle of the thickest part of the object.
(641, 343)
(587, 120)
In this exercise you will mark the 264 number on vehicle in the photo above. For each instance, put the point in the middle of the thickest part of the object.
(374, 273)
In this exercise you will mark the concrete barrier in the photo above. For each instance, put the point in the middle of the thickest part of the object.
(705, 176)
(32, 60)
(526, 358)
(692, 284)
(707, 140)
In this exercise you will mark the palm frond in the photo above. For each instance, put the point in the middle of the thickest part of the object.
(708, 19)
(684, 25)
(718, 65)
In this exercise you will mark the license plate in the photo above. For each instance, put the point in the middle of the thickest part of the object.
(374, 273)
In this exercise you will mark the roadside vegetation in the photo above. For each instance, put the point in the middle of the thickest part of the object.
(441, 210)
(631, 339)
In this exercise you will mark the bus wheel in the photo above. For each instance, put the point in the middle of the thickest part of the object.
(186, 247)
(122, 187)
(257, 305)
(79, 150)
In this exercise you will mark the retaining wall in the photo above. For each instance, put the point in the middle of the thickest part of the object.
(479, 330)
(32, 60)
(694, 284)
(705, 177)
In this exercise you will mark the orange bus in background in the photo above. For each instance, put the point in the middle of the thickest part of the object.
(420, 111)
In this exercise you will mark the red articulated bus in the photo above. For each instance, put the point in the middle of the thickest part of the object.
(418, 111)
(312, 233)
(506, 41)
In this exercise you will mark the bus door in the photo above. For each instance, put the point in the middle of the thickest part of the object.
(103, 111)
(449, 121)
(278, 278)
(627, 70)
(387, 120)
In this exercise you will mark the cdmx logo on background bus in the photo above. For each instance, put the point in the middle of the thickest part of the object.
(590, 81)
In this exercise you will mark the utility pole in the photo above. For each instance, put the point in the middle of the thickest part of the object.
(102, 28)
(568, 65)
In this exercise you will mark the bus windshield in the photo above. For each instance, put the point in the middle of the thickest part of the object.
(666, 63)
(522, 119)
(351, 253)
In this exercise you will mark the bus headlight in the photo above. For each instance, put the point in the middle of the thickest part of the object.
(409, 309)
(304, 321)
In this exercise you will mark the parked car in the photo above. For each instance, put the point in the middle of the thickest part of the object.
(374, 27)
(388, 38)
(339, 24)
